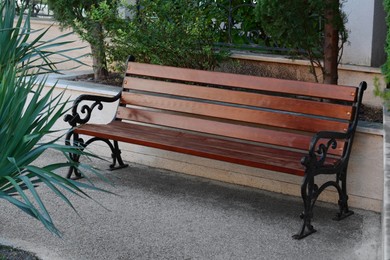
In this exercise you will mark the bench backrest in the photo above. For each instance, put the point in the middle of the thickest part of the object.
(234, 106)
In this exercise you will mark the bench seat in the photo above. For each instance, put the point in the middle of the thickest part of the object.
(207, 146)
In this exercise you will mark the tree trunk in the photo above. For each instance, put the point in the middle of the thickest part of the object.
(99, 62)
(331, 42)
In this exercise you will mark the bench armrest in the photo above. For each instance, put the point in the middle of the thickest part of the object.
(318, 152)
(80, 114)
(326, 135)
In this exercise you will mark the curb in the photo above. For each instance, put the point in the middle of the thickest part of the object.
(386, 187)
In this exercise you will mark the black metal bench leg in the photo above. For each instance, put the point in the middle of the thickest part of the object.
(309, 195)
(306, 229)
(343, 198)
(73, 170)
(117, 158)
(75, 158)
(79, 142)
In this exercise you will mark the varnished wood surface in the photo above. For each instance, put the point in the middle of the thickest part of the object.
(227, 96)
(243, 81)
(202, 124)
(193, 144)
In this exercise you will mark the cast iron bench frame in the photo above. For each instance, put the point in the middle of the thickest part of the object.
(294, 127)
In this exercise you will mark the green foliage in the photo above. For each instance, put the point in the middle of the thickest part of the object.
(379, 91)
(288, 21)
(90, 19)
(383, 93)
(299, 25)
(176, 33)
(86, 17)
(26, 52)
(386, 66)
(27, 114)
(241, 28)
(33, 5)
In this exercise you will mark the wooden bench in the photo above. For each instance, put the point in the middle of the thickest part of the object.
(299, 128)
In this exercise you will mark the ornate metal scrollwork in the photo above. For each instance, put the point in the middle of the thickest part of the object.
(323, 149)
(81, 115)
(317, 156)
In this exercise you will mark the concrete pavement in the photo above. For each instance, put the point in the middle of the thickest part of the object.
(158, 214)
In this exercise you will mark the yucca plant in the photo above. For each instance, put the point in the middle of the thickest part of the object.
(27, 114)
(18, 45)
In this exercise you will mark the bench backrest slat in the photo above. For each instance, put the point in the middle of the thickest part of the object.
(289, 121)
(345, 93)
(239, 97)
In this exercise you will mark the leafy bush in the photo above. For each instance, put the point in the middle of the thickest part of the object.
(386, 66)
(379, 90)
(177, 33)
(27, 114)
(89, 19)
(302, 27)
(238, 26)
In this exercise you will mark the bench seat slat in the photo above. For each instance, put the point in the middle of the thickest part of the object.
(243, 81)
(183, 142)
(197, 124)
(237, 97)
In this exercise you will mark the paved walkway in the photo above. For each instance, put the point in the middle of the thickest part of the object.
(158, 214)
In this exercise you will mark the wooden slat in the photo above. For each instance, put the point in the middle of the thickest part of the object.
(239, 97)
(255, 134)
(243, 81)
(254, 149)
(287, 121)
(245, 154)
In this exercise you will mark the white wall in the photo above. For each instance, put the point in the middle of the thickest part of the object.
(367, 31)
(360, 15)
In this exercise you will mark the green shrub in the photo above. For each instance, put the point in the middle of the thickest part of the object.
(380, 91)
(386, 66)
(89, 19)
(238, 26)
(301, 26)
(177, 33)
